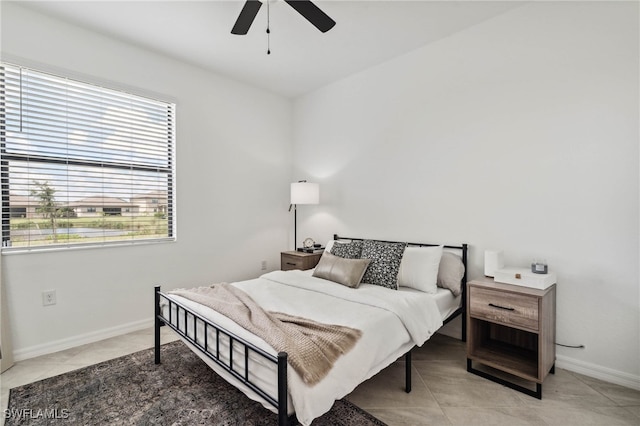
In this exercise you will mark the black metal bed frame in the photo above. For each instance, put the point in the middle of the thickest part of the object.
(213, 351)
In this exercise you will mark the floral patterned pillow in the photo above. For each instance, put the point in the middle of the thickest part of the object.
(385, 263)
(350, 250)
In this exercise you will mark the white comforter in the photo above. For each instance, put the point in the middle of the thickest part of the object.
(390, 321)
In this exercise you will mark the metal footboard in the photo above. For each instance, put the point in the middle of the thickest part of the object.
(213, 352)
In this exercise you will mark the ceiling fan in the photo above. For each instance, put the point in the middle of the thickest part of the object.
(306, 8)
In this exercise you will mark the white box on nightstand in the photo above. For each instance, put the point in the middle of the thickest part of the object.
(525, 278)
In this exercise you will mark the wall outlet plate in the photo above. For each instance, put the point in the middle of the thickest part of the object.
(48, 297)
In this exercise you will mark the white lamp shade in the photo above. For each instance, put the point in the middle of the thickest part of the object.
(305, 193)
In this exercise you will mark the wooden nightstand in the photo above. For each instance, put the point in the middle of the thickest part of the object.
(512, 329)
(298, 260)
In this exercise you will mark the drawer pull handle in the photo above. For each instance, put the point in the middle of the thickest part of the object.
(292, 264)
(501, 307)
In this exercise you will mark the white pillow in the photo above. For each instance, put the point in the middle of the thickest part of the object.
(419, 268)
(327, 248)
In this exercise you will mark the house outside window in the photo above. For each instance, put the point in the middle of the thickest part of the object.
(80, 163)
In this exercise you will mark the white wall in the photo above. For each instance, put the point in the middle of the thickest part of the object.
(232, 191)
(520, 133)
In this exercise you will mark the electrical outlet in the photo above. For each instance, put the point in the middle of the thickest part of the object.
(48, 297)
(263, 265)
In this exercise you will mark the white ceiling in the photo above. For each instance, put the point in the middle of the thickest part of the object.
(302, 59)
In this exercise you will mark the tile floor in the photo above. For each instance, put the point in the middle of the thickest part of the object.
(443, 392)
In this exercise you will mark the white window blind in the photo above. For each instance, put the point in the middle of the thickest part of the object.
(81, 164)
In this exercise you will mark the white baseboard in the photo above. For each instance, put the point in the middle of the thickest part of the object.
(82, 339)
(598, 372)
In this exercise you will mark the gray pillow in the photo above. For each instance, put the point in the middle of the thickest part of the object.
(450, 272)
(343, 271)
(350, 250)
(385, 263)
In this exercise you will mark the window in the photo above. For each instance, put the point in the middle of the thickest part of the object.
(75, 157)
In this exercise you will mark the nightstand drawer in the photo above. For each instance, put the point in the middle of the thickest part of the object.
(298, 260)
(511, 309)
(291, 262)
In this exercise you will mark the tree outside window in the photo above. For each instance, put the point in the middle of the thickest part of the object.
(46, 204)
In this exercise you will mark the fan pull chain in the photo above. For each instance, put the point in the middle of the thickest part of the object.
(268, 30)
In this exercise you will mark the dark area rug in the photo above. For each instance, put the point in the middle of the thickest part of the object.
(132, 390)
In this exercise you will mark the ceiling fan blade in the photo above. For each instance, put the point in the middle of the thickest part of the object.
(313, 14)
(246, 17)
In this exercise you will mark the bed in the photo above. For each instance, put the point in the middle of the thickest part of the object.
(391, 323)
